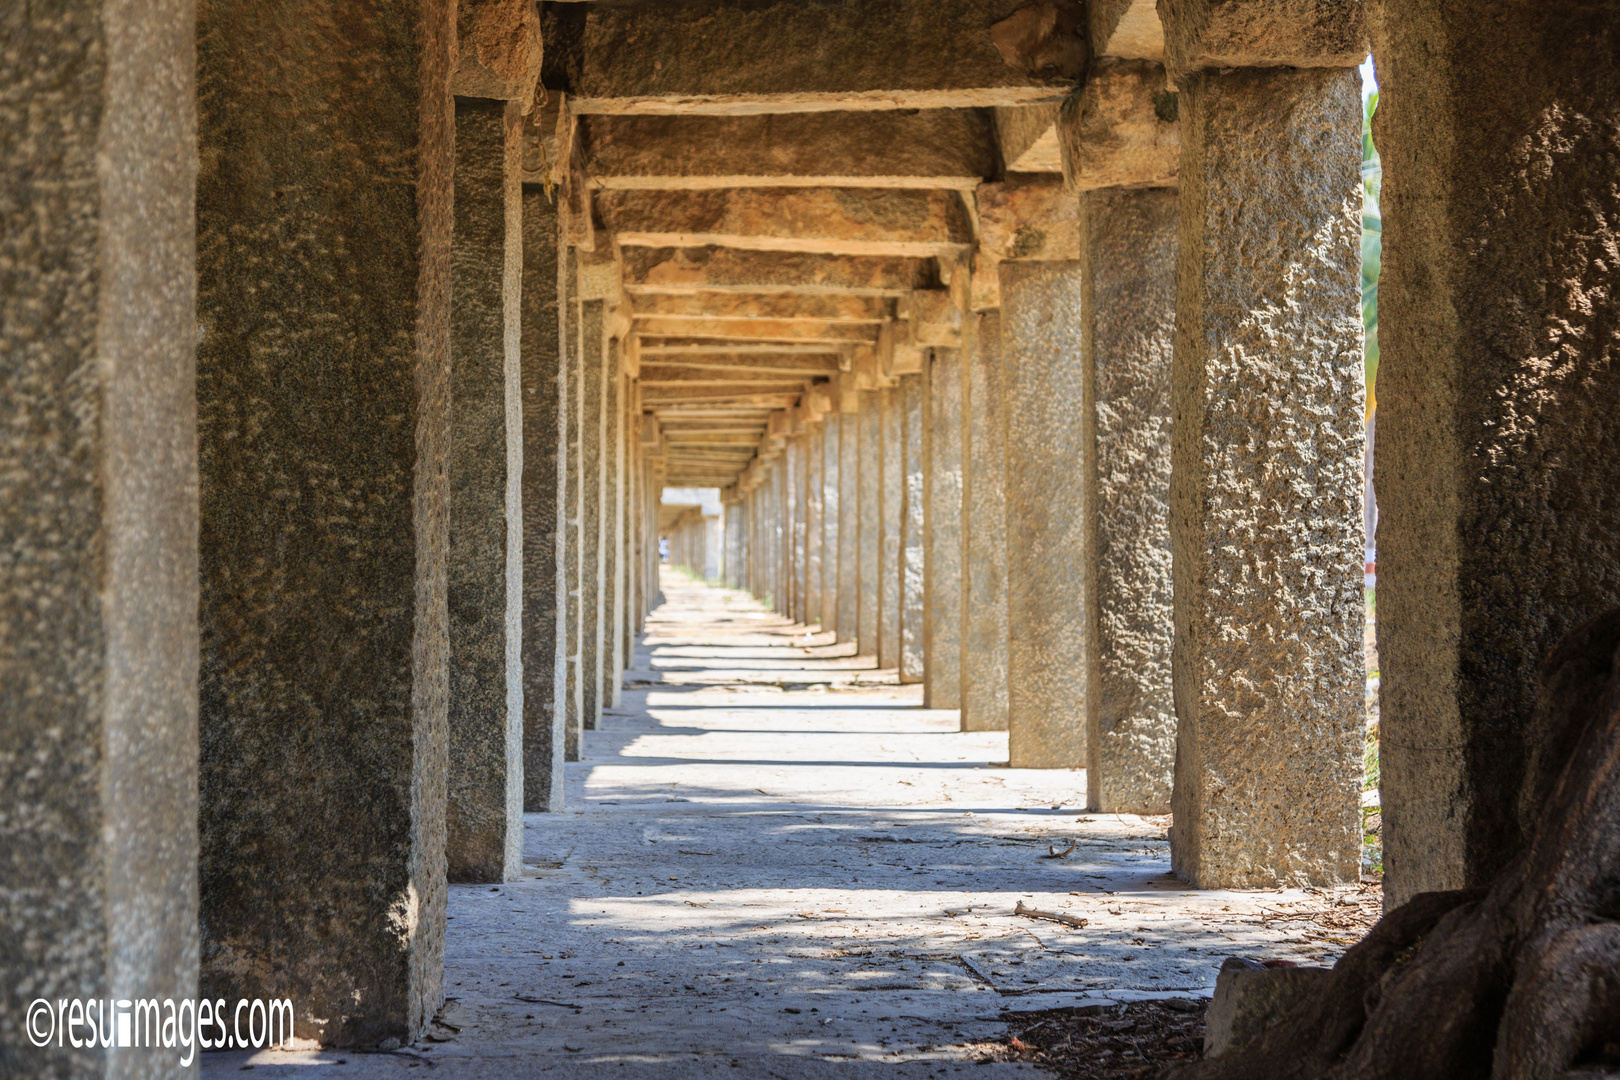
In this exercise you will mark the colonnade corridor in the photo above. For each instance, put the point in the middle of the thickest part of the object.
(776, 863)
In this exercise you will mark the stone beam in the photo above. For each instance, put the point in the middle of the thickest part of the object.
(1029, 218)
(740, 57)
(756, 306)
(756, 365)
(765, 330)
(830, 221)
(1028, 138)
(1200, 34)
(1120, 131)
(1126, 28)
(688, 347)
(498, 49)
(938, 148)
(715, 269)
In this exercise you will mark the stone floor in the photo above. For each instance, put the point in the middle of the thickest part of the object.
(776, 862)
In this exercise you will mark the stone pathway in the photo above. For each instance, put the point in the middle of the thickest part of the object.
(776, 864)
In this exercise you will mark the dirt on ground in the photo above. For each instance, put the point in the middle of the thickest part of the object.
(1134, 1041)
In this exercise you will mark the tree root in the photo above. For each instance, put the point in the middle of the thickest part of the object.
(1520, 981)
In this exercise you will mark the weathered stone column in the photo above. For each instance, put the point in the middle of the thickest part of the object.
(1048, 456)
(984, 530)
(913, 527)
(592, 489)
(832, 437)
(1128, 241)
(869, 503)
(545, 630)
(98, 484)
(323, 429)
(484, 814)
(942, 530)
(612, 523)
(815, 502)
(1265, 489)
(568, 549)
(891, 413)
(801, 528)
(1498, 457)
(849, 515)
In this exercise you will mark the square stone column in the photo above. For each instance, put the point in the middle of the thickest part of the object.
(942, 530)
(869, 480)
(1128, 242)
(545, 630)
(913, 528)
(832, 437)
(98, 485)
(984, 529)
(568, 548)
(484, 823)
(1265, 488)
(1048, 458)
(323, 397)
(815, 534)
(1497, 452)
(802, 455)
(612, 523)
(593, 384)
(891, 416)
(849, 520)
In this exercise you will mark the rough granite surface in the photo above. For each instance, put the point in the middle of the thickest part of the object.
(1121, 131)
(568, 550)
(98, 535)
(1047, 455)
(942, 529)
(891, 420)
(545, 633)
(1200, 34)
(324, 227)
(913, 524)
(869, 468)
(1265, 493)
(984, 530)
(484, 812)
(849, 521)
(592, 390)
(1130, 293)
(1498, 455)
(612, 522)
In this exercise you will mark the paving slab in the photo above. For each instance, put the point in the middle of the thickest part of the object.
(759, 881)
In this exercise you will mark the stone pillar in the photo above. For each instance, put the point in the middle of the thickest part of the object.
(545, 630)
(942, 530)
(1498, 456)
(801, 517)
(913, 527)
(849, 519)
(1128, 242)
(815, 496)
(831, 429)
(98, 481)
(1047, 456)
(323, 326)
(984, 530)
(592, 489)
(612, 523)
(568, 549)
(869, 458)
(1265, 489)
(484, 814)
(890, 576)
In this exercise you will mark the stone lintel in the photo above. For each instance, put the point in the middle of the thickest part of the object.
(793, 365)
(1120, 131)
(681, 271)
(936, 318)
(838, 221)
(1028, 138)
(1203, 34)
(763, 330)
(1126, 28)
(939, 148)
(769, 306)
(736, 57)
